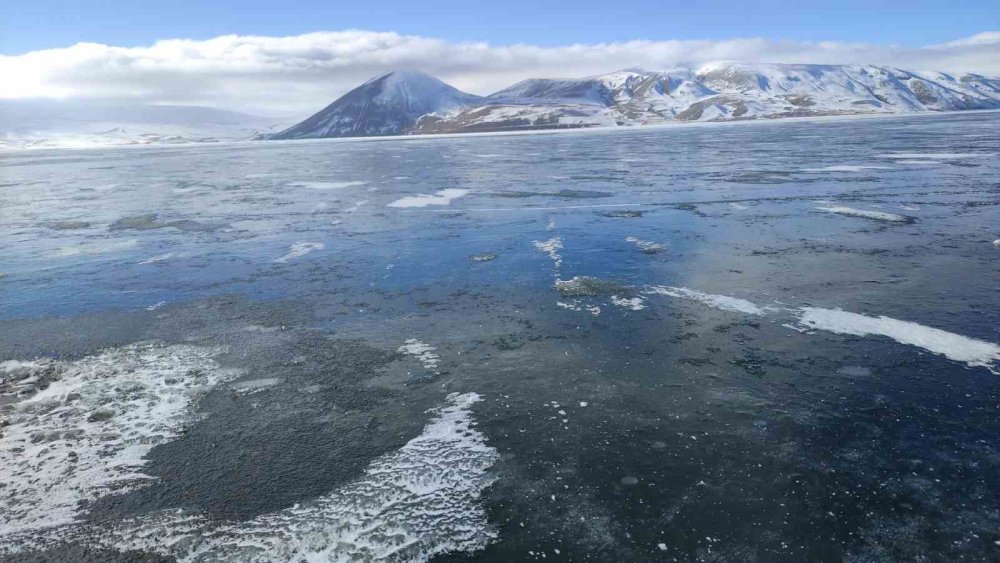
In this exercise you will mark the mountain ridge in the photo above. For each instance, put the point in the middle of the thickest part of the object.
(412, 102)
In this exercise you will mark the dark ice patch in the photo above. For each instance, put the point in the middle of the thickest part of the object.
(68, 225)
(621, 214)
(586, 286)
(566, 194)
(316, 431)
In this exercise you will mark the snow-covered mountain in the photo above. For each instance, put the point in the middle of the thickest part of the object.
(63, 123)
(412, 102)
(385, 105)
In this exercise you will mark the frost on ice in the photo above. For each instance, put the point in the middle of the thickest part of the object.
(80, 430)
(411, 505)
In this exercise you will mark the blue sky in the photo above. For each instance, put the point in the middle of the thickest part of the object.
(27, 25)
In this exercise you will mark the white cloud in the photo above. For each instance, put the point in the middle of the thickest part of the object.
(299, 74)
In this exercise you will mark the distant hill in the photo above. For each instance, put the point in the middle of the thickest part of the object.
(57, 123)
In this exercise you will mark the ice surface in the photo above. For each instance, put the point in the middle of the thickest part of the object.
(960, 348)
(86, 434)
(441, 197)
(936, 272)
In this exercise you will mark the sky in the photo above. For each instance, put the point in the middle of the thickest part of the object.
(277, 58)
(39, 24)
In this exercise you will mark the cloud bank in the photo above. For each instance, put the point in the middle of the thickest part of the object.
(300, 74)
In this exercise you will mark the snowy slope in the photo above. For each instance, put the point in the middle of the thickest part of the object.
(827, 89)
(385, 105)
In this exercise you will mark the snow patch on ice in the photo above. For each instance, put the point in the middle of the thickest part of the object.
(956, 347)
(441, 197)
(634, 303)
(867, 214)
(251, 386)
(326, 185)
(722, 302)
(575, 305)
(357, 205)
(845, 168)
(87, 433)
(164, 257)
(300, 249)
(552, 248)
(647, 246)
(971, 351)
(424, 352)
(931, 155)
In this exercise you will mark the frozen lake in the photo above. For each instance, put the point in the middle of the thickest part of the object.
(773, 341)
